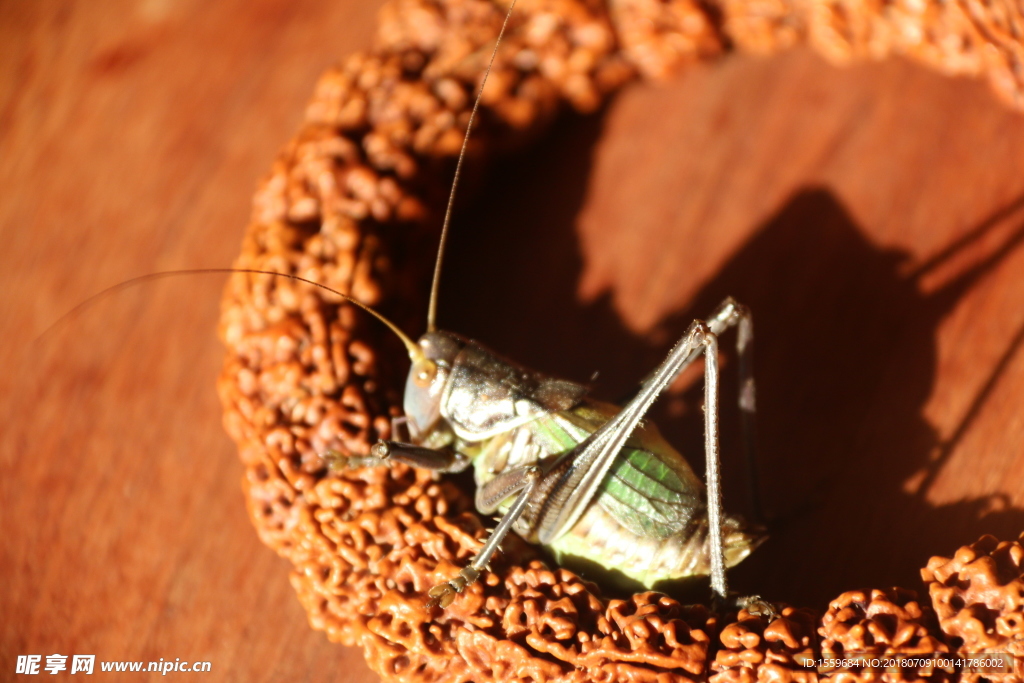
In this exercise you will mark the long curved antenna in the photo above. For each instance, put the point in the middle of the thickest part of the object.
(415, 353)
(435, 285)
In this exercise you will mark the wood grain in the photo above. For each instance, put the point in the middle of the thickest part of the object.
(131, 137)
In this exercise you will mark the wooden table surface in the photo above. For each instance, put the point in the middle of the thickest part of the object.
(871, 216)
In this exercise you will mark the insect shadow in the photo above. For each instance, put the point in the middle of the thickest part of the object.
(845, 361)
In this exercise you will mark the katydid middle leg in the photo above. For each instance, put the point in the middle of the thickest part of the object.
(488, 497)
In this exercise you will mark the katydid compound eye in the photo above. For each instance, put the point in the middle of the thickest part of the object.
(426, 371)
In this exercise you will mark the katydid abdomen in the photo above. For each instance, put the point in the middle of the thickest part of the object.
(648, 520)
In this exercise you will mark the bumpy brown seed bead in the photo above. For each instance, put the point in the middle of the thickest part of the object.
(760, 649)
(978, 595)
(958, 37)
(875, 624)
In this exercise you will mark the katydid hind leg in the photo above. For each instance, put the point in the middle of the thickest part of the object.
(579, 473)
(730, 313)
(701, 339)
(592, 459)
(713, 474)
(582, 469)
(522, 480)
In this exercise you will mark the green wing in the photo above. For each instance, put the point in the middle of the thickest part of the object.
(650, 490)
(646, 496)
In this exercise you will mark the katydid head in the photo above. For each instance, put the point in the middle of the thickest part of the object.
(431, 361)
(428, 375)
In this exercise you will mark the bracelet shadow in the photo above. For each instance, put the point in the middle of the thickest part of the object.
(845, 362)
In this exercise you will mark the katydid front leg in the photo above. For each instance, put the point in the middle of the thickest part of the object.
(581, 471)
(383, 453)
